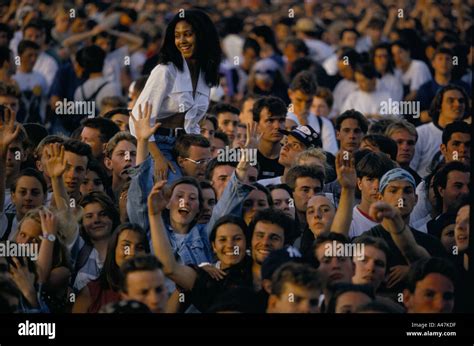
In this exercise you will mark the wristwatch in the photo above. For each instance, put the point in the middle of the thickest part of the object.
(50, 237)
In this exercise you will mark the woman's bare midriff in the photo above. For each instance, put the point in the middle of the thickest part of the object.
(172, 122)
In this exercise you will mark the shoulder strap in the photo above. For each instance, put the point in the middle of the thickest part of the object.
(10, 218)
(82, 258)
(320, 122)
(94, 95)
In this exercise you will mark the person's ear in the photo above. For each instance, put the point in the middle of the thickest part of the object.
(272, 302)
(407, 299)
(267, 286)
(441, 191)
(39, 165)
(359, 183)
(108, 163)
(180, 161)
(443, 149)
(337, 135)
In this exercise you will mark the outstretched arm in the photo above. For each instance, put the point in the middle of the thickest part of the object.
(143, 131)
(55, 167)
(392, 221)
(347, 178)
(182, 275)
(134, 42)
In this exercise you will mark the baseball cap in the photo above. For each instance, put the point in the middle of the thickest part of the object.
(277, 258)
(306, 135)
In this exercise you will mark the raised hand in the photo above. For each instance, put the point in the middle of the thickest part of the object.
(253, 137)
(49, 222)
(8, 130)
(55, 165)
(345, 170)
(157, 199)
(143, 129)
(383, 212)
(397, 274)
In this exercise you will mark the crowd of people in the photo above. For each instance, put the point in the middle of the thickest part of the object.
(236, 156)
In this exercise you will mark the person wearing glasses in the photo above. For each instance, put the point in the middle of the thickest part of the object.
(193, 153)
(178, 88)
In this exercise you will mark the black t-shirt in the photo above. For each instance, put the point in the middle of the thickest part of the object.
(269, 168)
(464, 287)
(206, 289)
(428, 242)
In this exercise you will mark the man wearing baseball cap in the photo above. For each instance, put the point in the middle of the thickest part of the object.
(296, 141)
(407, 245)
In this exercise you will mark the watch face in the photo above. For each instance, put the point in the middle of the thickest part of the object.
(51, 237)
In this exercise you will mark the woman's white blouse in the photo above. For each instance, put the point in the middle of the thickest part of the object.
(170, 91)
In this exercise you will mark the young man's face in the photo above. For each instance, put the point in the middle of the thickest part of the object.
(447, 238)
(123, 157)
(35, 35)
(92, 137)
(121, 120)
(129, 245)
(381, 57)
(348, 302)
(28, 195)
(453, 105)
(305, 188)
(282, 200)
(291, 147)
(348, 39)
(28, 59)
(75, 173)
(433, 294)
(207, 129)
(92, 182)
(371, 269)
(294, 299)
(209, 201)
(147, 287)
(333, 269)
(227, 123)
(400, 194)
(364, 83)
(442, 63)
(241, 137)
(301, 101)
(320, 214)
(406, 146)
(401, 57)
(15, 156)
(266, 237)
(458, 148)
(197, 154)
(220, 177)
(269, 126)
(461, 230)
(217, 145)
(11, 102)
(457, 186)
(291, 53)
(369, 188)
(350, 135)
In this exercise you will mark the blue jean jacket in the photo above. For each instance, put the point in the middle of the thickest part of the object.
(195, 248)
(231, 201)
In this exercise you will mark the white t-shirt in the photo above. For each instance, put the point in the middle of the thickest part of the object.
(427, 145)
(330, 65)
(36, 83)
(318, 50)
(423, 206)
(416, 75)
(114, 61)
(341, 92)
(47, 66)
(232, 45)
(328, 135)
(392, 84)
(365, 102)
(360, 223)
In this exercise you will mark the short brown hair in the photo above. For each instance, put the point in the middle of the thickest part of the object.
(298, 274)
(400, 125)
(326, 95)
(116, 139)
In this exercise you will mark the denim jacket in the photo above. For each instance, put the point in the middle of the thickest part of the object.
(231, 201)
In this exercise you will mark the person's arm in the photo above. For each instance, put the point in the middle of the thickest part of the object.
(347, 178)
(182, 275)
(49, 225)
(83, 301)
(24, 280)
(391, 20)
(253, 138)
(362, 25)
(143, 131)
(81, 37)
(134, 42)
(55, 167)
(400, 232)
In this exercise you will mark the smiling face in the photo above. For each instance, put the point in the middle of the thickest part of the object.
(129, 244)
(185, 39)
(97, 224)
(28, 195)
(266, 237)
(184, 204)
(320, 213)
(229, 245)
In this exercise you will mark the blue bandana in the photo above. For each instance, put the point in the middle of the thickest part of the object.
(396, 174)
